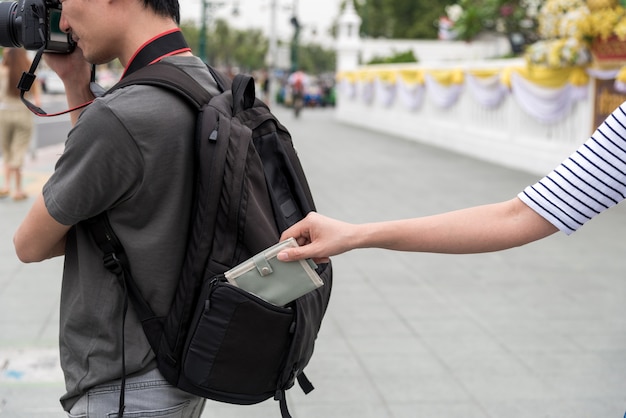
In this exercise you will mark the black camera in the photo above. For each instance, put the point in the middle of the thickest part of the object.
(34, 24)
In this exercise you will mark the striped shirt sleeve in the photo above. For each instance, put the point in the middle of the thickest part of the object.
(587, 183)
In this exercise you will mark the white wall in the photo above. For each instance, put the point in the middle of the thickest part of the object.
(488, 46)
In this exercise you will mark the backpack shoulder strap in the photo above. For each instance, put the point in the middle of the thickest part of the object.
(174, 79)
(115, 260)
(170, 77)
(244, 95)
(223, 82)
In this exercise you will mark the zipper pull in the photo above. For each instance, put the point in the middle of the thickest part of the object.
(212, 285)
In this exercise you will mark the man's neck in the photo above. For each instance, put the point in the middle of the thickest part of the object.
(143, 32)
(160, 46)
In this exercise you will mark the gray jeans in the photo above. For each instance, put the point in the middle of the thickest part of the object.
(146, 395)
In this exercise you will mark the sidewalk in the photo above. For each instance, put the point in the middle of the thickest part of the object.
(538, 331)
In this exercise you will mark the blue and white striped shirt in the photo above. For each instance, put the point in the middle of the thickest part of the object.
(590, 181)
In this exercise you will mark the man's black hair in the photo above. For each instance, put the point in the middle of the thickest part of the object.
(168, 8)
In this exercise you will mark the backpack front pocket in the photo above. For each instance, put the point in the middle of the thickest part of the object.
(237, 344)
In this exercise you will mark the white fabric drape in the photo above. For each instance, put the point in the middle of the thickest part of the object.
(487, 91)
(411, 95)
(367, 91)
(610, 74)
(602, 74)
(441, 95)
(347, 89)
(544, 104)
(385, 92)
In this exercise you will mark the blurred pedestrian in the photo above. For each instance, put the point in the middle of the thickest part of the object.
(297, 82)
(16, 121)
(265, 87)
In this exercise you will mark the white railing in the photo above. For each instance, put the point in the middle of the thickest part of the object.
(504, 134)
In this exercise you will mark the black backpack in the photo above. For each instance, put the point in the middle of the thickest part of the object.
(218, 341)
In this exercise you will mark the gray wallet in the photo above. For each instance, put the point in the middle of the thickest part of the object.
(273, 280)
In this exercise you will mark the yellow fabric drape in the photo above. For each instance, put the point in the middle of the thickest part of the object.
(541, 76)
(387, 76)
(365, 76)
(553, 77)
(412, 77)
(447, 77)
(485, 72)
(349, 76)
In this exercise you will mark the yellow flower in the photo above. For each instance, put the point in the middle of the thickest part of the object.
(600, 4)
(602, 23)
(554, 55)
(585, 27)
(555, 15)
(558, 53)
(620, 30)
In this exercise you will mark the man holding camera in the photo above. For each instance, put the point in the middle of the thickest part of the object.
(129, 154)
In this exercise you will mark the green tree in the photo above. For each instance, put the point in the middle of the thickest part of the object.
(192, 35)
(220, 45)
(395, 58)
(509, 17)
(247, 49)
(315, 59)
(401, 19)
(250, 49)
(417, 20)
(228, 47)
(376, 18)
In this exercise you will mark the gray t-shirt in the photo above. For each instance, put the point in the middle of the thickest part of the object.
(130, 153)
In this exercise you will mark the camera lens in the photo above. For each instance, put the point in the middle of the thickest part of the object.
(9, 33)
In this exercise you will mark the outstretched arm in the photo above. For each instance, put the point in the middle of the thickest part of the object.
(473, 230)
